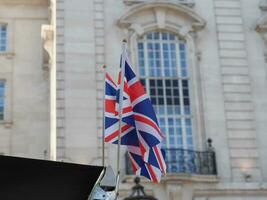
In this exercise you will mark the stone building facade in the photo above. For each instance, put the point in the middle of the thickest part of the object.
(202, 62)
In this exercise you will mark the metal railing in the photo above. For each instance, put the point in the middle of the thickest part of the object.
(186, 161)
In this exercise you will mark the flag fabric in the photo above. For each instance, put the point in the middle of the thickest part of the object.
(142, 168)
(140, 131)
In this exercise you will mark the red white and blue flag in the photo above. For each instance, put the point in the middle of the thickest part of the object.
(140, 131)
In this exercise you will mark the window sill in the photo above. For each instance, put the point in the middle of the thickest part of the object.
(178, 177)
(8, 55)
(6, 124)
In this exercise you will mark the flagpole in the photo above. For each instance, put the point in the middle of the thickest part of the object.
(123, 57)
(104, 108)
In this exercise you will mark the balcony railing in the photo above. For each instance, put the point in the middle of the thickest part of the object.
(189, 3)
(186, 161)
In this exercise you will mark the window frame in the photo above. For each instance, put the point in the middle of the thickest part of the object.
(190, 72)
(4, 99)
(6, 37)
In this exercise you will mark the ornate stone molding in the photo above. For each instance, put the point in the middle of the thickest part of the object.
(189, 3)
(163, 12)
(261, 25)
(48, 38)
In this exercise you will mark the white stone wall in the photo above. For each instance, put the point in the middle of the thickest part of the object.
(25, 130)
(229, 73)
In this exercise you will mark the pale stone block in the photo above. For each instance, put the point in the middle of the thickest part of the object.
(229, 20)
(238, 115)
(60, 154)
(240, 106)
(235, 70)
(99, 7)
(61, 132)
(60, 57)
(60, 103)
(230, 28)
(99, 85)
(99, 49)
(60, 40)
(79, 47)
(233, 53)
(60, 49)
(236, 88)
(99, 32)
(234, 62)
(100, 58)
(60, 94)
(235, 79)
(60, 15)
(240, 125)
(239, 175)
(60, 84)
(60, 113)
(100, 41)
(242, 143)
(231, 36)
(241, 162)
(60, 76)
(60, 142)
(231, 45)
(241, 97)
(244, 153)
(100, 77)
(241, 134)
(99, 16)
(228, 12)
(83, 112)
(227, 4)
(60, 122)
(79, 103)
(99, 24)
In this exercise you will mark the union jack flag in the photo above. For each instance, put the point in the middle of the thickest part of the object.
(151, 170)
(140, 130)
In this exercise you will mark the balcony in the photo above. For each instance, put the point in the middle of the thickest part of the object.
(189, 3)
(186, 162)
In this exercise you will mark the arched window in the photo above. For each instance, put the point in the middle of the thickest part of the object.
(163, 70)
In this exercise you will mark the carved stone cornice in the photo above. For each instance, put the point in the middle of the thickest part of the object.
(48, 41)
(189, 3)
(159, 10)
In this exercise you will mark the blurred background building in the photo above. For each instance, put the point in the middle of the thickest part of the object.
(203, 63)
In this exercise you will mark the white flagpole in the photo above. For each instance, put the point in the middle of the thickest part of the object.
(123, 58)
(104, 108)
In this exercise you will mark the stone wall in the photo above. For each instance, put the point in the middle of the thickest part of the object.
(25, 129)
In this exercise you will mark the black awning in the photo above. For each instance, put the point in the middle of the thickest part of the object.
(30, 179)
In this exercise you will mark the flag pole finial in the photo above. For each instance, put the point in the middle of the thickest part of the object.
(124, 40)
(104, 66)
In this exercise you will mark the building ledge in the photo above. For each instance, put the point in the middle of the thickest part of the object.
(178, 177)
(6, 124)
(8, 55)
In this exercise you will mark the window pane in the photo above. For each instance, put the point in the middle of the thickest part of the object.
(2, 99)
(3, 38)
(164, 68)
